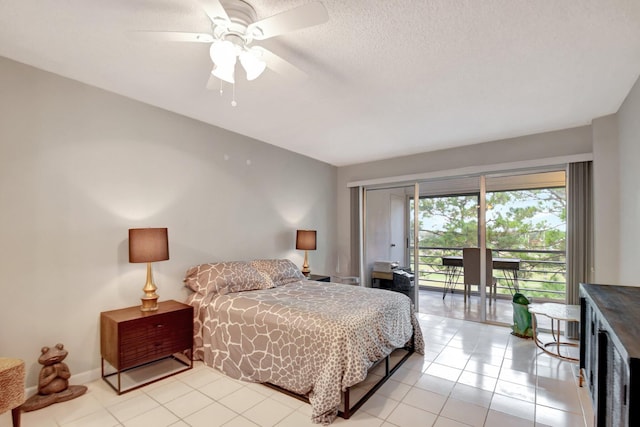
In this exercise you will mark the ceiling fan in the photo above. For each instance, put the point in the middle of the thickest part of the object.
(234, 27)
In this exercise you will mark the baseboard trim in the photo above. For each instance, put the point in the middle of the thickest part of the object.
(76, 379)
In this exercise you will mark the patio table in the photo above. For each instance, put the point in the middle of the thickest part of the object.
(453, 270)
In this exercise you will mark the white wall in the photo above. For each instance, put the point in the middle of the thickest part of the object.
(629, 167)
(568, 142)
(80, 166)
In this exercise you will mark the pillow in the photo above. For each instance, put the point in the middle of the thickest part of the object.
(225, 277)
(280, 271)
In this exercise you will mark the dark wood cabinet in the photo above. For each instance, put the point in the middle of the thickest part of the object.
(610, 352)
(130, 339)
(400, 280)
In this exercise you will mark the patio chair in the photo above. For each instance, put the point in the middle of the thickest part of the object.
(471, 272)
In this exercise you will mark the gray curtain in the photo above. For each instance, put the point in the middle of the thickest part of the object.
(579, 233)
(355, 230)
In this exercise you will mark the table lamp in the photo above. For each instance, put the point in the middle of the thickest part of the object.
(306, 240)
(148, 245)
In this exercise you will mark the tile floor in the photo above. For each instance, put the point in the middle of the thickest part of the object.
(453, 305)
(472, 374)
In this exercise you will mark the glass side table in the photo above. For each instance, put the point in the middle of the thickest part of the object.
(557, 313)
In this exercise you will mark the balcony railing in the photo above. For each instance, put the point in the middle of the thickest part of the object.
(542, 273)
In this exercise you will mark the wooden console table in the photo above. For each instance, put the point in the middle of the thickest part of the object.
(610, 352)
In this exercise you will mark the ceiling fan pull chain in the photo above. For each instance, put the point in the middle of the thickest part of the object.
(221, 87)
(233, 101)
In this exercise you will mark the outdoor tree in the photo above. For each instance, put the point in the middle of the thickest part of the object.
(527, 224)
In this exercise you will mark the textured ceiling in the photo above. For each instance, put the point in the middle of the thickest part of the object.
(385, 78)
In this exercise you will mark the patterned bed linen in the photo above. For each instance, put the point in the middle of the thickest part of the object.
(312, 338)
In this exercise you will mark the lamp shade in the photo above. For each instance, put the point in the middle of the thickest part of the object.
(148, 244)
(306, 240)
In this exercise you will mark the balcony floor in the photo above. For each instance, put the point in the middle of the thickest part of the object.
(453, 306)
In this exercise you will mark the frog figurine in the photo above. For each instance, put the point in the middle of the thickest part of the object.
(53, 381)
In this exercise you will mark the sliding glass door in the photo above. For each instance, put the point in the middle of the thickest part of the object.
(519, 217)
(527, 220)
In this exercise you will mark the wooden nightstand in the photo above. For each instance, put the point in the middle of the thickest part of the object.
(150, 345)
(319, 278)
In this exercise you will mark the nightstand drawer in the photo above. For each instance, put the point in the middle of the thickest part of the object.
(130, 338)
(155, 346)
(134, 332)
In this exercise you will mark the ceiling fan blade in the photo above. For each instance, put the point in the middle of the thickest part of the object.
(172, 36)
(304, 16)
(214, 10)
(279, 65)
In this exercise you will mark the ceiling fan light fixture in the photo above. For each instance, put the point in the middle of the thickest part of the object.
(225, 73)
(252, 65)
(223, 53)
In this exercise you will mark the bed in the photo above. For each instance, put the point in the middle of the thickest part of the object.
(262, 321)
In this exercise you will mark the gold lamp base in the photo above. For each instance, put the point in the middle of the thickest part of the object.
(149, 304)
(150, 298)
(305, 266)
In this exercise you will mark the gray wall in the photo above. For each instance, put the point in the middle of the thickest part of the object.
(80, 166)
(606, 209)
(629, 170)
